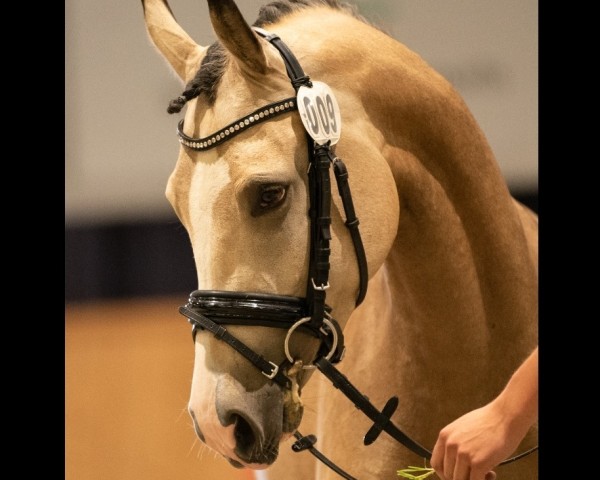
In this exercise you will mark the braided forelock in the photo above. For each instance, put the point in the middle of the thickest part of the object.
(206, 79)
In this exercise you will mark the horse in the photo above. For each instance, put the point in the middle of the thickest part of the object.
(450, 257)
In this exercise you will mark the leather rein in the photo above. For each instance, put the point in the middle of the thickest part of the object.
(211, 309)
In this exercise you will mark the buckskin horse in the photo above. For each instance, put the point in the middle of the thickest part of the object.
(311, 95)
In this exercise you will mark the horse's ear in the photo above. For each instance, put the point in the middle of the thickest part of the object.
(176, 46)
(236, 35)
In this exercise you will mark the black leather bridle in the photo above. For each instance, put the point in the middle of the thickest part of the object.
(210, 309)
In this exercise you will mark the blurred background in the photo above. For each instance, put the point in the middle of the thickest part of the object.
(128, 262)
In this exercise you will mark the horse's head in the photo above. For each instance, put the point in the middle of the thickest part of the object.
(245, 206)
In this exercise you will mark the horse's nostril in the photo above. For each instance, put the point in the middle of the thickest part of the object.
(251, 421)
(244, 436)
(251, 446)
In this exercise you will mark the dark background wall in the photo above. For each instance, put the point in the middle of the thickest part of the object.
(127, 259)
(139, 259)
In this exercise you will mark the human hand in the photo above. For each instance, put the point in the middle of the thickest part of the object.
(469, 447)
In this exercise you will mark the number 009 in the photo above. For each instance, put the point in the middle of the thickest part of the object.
(321, 116)
(320, 113)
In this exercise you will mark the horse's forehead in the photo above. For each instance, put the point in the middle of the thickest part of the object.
(266, 154)
(267, 151)
(271, 146)
(208, 180)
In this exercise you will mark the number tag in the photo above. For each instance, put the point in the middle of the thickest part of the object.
(320, 113)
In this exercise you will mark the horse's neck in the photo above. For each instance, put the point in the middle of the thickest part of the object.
(461, 261)
(460, 276)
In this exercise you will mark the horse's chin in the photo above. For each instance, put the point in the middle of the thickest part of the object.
(252, 466)
(239, 463)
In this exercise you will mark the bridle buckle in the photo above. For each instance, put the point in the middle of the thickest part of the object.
(322, 287)
(271, 375)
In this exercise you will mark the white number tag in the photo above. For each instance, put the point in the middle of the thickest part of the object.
(320, 113)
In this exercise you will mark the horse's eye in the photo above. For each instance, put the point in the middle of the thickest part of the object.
(272, 196)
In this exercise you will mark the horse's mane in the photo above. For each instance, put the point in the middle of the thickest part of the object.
(214, 62)
(275, 11)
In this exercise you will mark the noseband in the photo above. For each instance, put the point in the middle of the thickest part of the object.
(211, 309)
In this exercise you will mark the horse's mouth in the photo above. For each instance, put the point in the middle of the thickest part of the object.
(261, 459)
(253, 466)
(292, 404)
(292, 415)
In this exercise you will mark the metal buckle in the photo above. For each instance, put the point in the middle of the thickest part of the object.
(321, 288)
(271, 375)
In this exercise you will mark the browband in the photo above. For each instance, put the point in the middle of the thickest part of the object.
(241, 124)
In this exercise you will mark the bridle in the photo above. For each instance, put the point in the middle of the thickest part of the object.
(211, 309)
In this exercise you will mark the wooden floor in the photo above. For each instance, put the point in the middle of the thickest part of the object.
(128, 373)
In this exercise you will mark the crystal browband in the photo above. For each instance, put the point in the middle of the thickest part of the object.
(240, 125)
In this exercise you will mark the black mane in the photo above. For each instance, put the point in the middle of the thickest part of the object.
(213, 64)
(275, 11)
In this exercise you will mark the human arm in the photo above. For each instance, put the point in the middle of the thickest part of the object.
(469, 447)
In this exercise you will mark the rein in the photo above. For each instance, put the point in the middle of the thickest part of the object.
(210, 309)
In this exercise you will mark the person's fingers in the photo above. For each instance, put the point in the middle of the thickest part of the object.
(437, 457)
(449, 461)
(462, 468)
(478, 472)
